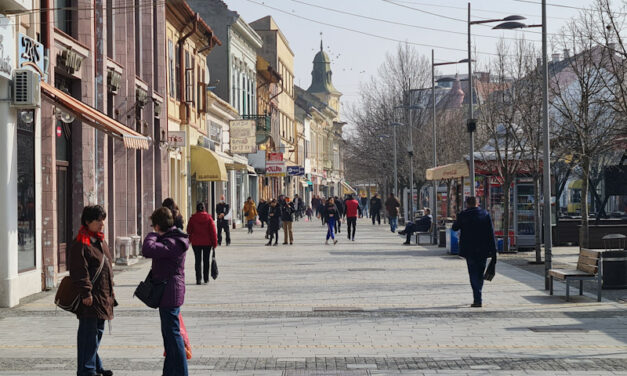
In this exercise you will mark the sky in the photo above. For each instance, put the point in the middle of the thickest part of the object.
(357, 53)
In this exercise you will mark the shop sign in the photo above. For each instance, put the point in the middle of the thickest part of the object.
(243, 137)
(30, 51)
(295, 171)
(7, 47)
(176, 139)
(275, 166)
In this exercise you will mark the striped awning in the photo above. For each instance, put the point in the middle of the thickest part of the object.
(95, 118)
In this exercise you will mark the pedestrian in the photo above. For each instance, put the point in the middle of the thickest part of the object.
(167, 247)
(364, 205)
(203, 236)
(176, 213)
(392, 206)
(88, 252)
(262, 210)
(222, 211)
(476, 244)
(287, 218)
(352, 210)
(375, 209)
(331, 213)
(274, 217)
(250, 213)
(339, 204)
(315, 204)
(321, 211)
(421, 225)
(309, 213)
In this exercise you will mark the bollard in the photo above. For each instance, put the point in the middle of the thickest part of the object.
(123, 251)
(136, 246)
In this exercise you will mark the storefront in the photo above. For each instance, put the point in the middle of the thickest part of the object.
(208, 172)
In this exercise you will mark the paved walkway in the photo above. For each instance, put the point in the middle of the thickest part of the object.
(366, 307)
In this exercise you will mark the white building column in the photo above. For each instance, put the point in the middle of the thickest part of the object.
(9, 294)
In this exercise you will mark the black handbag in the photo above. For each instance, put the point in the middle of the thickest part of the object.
(214, 265)
(490, 271)
(150, 291)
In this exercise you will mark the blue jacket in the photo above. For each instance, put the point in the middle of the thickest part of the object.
(167, 252)
(477, 237)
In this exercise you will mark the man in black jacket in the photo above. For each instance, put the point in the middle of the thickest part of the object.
(222, 209)
(421, 225)
(375, 208)
(476, 243)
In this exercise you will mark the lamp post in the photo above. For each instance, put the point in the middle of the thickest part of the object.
(546, 158)
(471, 122)
(435, 144)
(394, 125)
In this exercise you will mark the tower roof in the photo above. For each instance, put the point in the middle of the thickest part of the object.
(321, 75)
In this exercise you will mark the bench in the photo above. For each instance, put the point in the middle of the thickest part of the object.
(589, 267)
(424, 235)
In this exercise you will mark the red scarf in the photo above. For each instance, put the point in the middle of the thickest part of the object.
(84, 235)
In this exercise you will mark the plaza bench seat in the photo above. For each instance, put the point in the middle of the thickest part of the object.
(589, 267)
(421, 235)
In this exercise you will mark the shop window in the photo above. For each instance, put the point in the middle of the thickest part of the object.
(26, 191)
(171, 68)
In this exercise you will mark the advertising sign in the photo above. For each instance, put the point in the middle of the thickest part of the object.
(295, 171)
(7, 47)
(275, 166)
(243, 139)
(30, 51)
(176, 139)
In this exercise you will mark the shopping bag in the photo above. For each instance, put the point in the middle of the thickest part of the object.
(490, 271)
(188, 345)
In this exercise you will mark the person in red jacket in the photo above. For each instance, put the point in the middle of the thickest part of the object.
(352, 209)
(203, 236)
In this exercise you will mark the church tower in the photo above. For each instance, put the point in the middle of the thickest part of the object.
(322, 81)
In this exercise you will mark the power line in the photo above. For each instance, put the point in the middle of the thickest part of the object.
(565, 6)
(398, 23)
(363, 32)
(474, 9)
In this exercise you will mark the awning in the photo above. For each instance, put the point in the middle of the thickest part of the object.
(449, 171)
(236, 166)
(348, 189)
(89, 115)
(304, 184)
(207, 165)
(576, 184)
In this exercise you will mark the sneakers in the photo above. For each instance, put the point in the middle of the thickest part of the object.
(475, 305)
(402, 233)
(269, 243)
(334, 241)
(353, 239)
(407, 243)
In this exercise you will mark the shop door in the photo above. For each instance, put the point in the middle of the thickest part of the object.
(63, 215)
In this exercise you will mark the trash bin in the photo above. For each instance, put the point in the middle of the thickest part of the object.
(452, 240)
(442, 238)
(614, 269)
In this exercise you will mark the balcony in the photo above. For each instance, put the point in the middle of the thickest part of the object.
(263, 126)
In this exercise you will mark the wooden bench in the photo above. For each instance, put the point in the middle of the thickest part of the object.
(589, 267)
(424, 233)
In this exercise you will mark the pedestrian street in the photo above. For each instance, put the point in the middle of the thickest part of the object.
(368, 307)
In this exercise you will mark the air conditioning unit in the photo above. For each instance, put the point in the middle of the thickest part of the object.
(26, 89)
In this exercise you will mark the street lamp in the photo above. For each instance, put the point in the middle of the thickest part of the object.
(546, 160)
(394, 125)
(471, 122)
(435, 152)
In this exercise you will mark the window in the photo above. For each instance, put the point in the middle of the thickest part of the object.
(177, 67)
(171, 68)
(64, 16)
(110, 29)
(26, 194)
(189, 79)
(138, 40)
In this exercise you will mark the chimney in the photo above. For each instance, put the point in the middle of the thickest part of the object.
(555, 58)
(566, 53)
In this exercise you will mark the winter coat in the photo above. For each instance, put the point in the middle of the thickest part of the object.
(330, 210)
(202, 230)
(250, 211)
(477, 237)
(167, 252)
(262, 210)
(222, 209)
(352, 208)
(274, 218)
(287, 212)
(392, 205)
(375, 204)
(84, 263)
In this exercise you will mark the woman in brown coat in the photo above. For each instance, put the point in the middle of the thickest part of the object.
(90, 260)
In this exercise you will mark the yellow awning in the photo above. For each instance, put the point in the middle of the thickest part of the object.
(207, 165)
(449, 171)
(348, 189)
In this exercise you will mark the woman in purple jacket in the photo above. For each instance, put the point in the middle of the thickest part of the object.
(166, 246)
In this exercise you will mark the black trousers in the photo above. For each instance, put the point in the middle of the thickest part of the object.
(476, 267)
(338, 224)
(351, 222)
(201, 254)
(223, 225)
(375, 215)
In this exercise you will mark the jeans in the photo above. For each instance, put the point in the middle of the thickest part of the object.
(201, 254)
(90, 332)
(351, 222)
(374, 214)
(223, 225)
(330, 228)
(393, 223)
(287, 232)
(175, 363)
(249, 224)
(476, 268)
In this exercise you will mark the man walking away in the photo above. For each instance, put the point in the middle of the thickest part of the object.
(287, 217)
(340, 209)
(392, 206)
(202, 234)
(222, 209)
(262, 210)
(274, 217)
(352, 209)
(364, 206)
(375, 209)
(476, 244)
(421, 225)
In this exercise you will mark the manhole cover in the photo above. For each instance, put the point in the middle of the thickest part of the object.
(337, 309)
(366, 270)
(558, 329)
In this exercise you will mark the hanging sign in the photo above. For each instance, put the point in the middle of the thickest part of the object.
(243, 137)
(275, 165)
